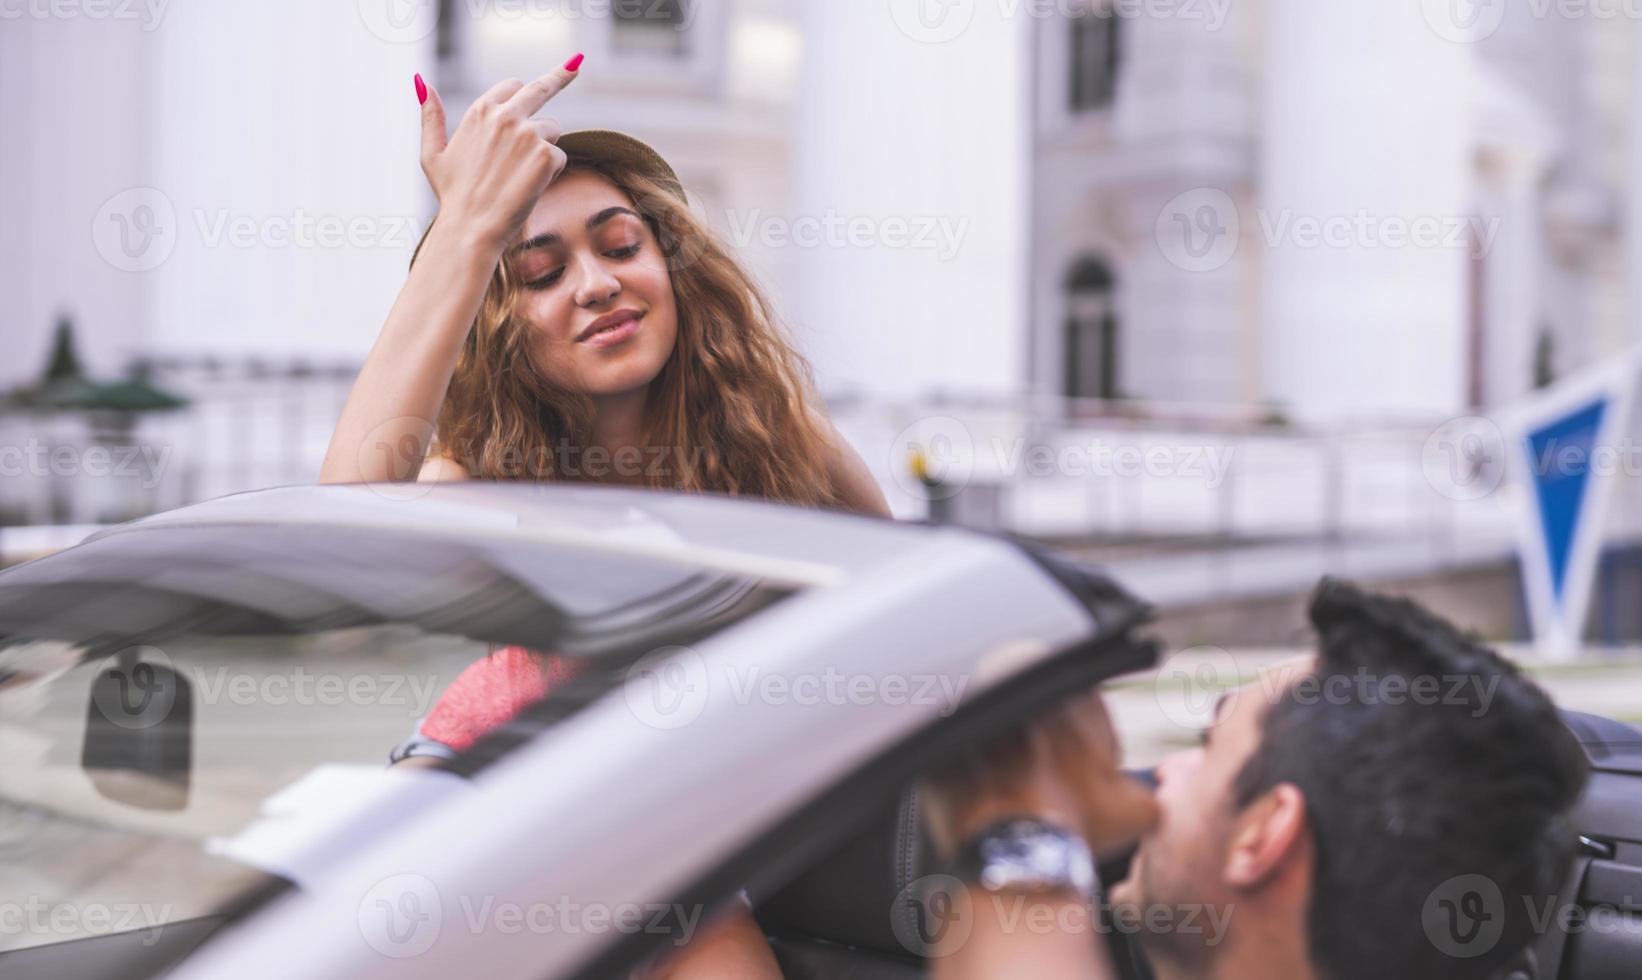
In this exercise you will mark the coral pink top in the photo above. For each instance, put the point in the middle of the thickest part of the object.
(490, 692)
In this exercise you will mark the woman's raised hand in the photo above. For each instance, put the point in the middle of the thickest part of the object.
(488, 175)
(1064, 764)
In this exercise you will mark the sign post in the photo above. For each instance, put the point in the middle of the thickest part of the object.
(1565, 455)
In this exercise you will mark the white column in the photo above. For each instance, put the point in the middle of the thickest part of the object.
(284, 137)
(1633, 194)
(1513, 269)
(1366, 129)
(72, 126)
(915, 132)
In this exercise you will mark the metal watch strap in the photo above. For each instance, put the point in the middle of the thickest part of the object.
(1027, 854)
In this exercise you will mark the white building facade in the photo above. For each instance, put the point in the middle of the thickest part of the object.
(1328, 210)
(1281, 209)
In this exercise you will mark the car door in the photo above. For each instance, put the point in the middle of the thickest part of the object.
(751, 767)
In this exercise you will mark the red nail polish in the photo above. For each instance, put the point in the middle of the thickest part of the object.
(421, 90)
(574, 64)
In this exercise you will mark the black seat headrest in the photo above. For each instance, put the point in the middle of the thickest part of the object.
(851, 896)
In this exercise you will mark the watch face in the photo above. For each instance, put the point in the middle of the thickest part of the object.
(1029, 855)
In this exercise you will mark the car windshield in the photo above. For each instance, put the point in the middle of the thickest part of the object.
(165, 708)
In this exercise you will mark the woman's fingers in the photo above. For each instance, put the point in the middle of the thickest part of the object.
(501, 91)
(530, 98)
(548, 129)
(434, 134)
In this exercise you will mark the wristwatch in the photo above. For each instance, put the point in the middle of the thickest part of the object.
(1027, 854)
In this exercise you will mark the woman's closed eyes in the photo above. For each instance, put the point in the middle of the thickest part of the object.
(552, 278)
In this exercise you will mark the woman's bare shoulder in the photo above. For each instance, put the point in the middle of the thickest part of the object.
(850, 473)
(442, 469)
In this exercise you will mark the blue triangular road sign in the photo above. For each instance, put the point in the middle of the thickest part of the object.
(1560, 455)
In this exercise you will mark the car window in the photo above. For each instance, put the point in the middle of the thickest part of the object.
(166, 699)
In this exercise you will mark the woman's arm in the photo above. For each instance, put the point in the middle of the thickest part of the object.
(732, 948)
(386, 426)
(1064, 769)
(487, 178)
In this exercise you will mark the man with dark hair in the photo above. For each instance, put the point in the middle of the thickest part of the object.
(1396, 806)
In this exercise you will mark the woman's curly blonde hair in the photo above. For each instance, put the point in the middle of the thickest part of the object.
(732, 410)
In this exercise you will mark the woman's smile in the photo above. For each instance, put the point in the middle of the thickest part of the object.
(611, 329)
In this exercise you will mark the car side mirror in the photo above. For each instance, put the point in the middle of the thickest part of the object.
(139, 737)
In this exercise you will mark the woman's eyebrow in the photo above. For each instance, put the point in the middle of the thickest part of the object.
(607, 214)
(549, 239)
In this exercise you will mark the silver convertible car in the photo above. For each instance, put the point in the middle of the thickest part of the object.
(196, 712)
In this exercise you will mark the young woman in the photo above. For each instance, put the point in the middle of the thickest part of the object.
(568, 318)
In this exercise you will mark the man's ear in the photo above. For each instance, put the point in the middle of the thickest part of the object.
(1268, 835)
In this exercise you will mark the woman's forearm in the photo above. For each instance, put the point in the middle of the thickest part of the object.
(1041, 936)
(387, 423)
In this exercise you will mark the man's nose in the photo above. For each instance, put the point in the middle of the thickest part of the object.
(1171, 764)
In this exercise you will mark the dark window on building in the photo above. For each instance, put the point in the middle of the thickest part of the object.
(1091, 331)
(1097, 53)
(652, 27)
